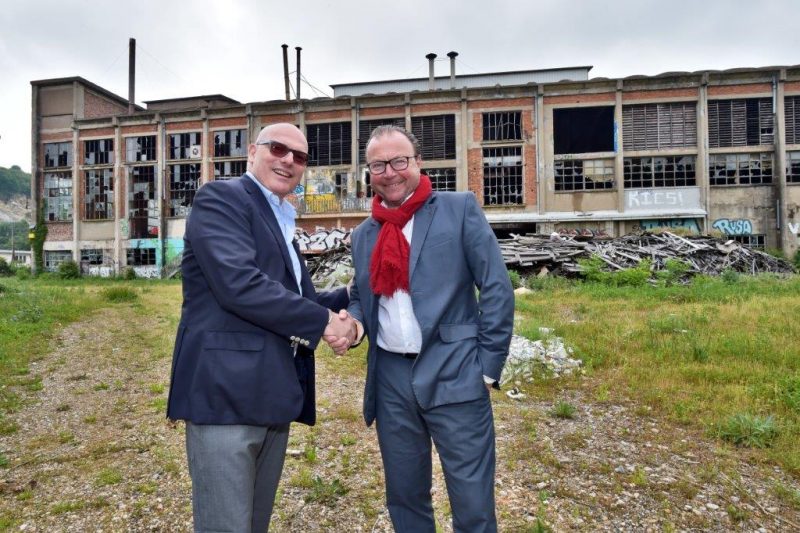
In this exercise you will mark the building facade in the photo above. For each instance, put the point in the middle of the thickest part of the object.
(542, 151)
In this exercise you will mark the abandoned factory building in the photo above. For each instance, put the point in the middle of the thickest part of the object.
(542, 150)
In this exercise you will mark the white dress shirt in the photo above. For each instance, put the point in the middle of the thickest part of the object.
(398, 329)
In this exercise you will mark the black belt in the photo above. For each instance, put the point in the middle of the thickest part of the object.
(405, 355)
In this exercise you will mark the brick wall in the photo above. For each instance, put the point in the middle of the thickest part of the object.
(96, 106)
(59, 231)
(688, 93)
(731, 90)
(599, 98)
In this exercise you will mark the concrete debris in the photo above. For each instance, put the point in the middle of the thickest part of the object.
(331, 268)
(545, 254)
(528, 359)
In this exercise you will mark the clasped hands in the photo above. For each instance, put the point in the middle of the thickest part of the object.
(341, 332)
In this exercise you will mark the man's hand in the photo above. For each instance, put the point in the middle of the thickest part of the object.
(340, 332)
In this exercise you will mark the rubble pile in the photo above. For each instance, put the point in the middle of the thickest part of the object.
(331, 268)
(707, 255)
(528, 359)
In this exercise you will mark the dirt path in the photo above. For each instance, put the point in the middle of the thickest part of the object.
(93, 452)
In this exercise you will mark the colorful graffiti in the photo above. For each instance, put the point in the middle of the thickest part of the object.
(689, 224)
(740, 226)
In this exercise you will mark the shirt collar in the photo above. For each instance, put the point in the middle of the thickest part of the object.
(284, 207)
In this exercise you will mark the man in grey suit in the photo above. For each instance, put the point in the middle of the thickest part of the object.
(436, 348)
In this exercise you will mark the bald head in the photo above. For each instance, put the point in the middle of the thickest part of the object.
(278, 172)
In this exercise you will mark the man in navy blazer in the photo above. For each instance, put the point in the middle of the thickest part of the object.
(435, 348)
(243, 365)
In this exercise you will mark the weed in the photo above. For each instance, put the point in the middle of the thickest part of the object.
(749, 431)
(3, 461)
(310, 453)
(90, 419)
(157, 388)
(101, 386)
(639, 477)
(788, 495)
(563, 410)
(65, 437)
(516, 279)
(69, 270)
(108, 476)
(736, 514)
(302, 479)
(64, 407)
(326, 493)
(347, 440)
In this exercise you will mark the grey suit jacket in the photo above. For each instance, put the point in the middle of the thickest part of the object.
(464, 335)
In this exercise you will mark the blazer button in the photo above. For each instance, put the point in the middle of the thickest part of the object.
(306, 342)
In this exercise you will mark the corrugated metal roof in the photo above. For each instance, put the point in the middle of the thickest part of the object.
(465, 80)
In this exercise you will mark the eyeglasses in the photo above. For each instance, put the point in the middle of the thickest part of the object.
(397, 163)
(280, 150)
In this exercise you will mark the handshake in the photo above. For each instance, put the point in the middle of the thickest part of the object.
(341, 331)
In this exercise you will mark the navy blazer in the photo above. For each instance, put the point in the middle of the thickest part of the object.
(464, 336)
(234, 360)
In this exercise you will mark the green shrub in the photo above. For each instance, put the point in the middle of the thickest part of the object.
(516, 279)
(749, 431)
(543, 283)
(5, 269)
(23, 272)
(730, 276)
(593, 269)
(674, 270)
(69, 270)
(129, 273)
(564, 410)
(633, 277)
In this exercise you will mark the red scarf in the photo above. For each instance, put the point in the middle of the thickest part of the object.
(388, 269)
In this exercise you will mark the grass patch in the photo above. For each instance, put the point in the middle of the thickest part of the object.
(749, 431)
(326, 493)
(119, 294)
(108, 476)
(564, 410)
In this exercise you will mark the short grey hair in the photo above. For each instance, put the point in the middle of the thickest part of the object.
(386, 129)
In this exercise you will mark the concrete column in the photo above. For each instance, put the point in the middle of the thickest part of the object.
(784, 237)
(462, 163)
(701, 164)
(161, 181)
(120, 191)
(355, 118)
(77, 196)
(407, 110)
(205, 157)
(35, 172)
(619, 179)
(541, 190)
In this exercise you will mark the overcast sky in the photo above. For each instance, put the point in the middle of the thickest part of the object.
(232, 47)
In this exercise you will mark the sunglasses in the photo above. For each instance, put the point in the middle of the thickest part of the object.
(280, 150)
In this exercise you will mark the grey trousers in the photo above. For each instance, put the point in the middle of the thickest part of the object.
(235, 472)
(464, 437)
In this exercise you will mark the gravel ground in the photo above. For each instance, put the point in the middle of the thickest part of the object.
(93, 452)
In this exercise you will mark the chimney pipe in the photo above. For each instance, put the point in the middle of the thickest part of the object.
(431, 81)
(452, 56)
(297, 89)
(286, 69)
(131, 74)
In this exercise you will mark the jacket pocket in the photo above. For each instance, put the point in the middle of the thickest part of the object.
(232, 340)
(457, 332)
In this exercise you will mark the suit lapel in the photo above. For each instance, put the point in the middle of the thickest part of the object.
(265, 211)
(422, 222)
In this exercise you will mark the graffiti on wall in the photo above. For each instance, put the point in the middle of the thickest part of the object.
(794, 227)
(739, 226)
(322, 240)
(659, 200)
(689, 224)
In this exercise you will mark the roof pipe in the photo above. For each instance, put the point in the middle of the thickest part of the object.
(452, 56)
(286, 70)
(431, 82)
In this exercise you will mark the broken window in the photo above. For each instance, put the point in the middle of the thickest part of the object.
(99, 197)
(584, 174)
(742, 122)
(753, 240)
(140, 149)
(367, 187)
(329, 144)
(184, 146)
(183, 183)
(141, 256)
(792, 167)
(740, 169)
(98, 152)
(502, 176)
(225, 170)
(436, 136)
(142, 203)
(230, 143)
(791, 113)
(442, 179)
(58, 155)
(580, 130)
(659, 126)
(365, 128)
(340, 184)
(92, 256)
(52, 259)
(502, 126)
(58, 196)
(646, 172)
